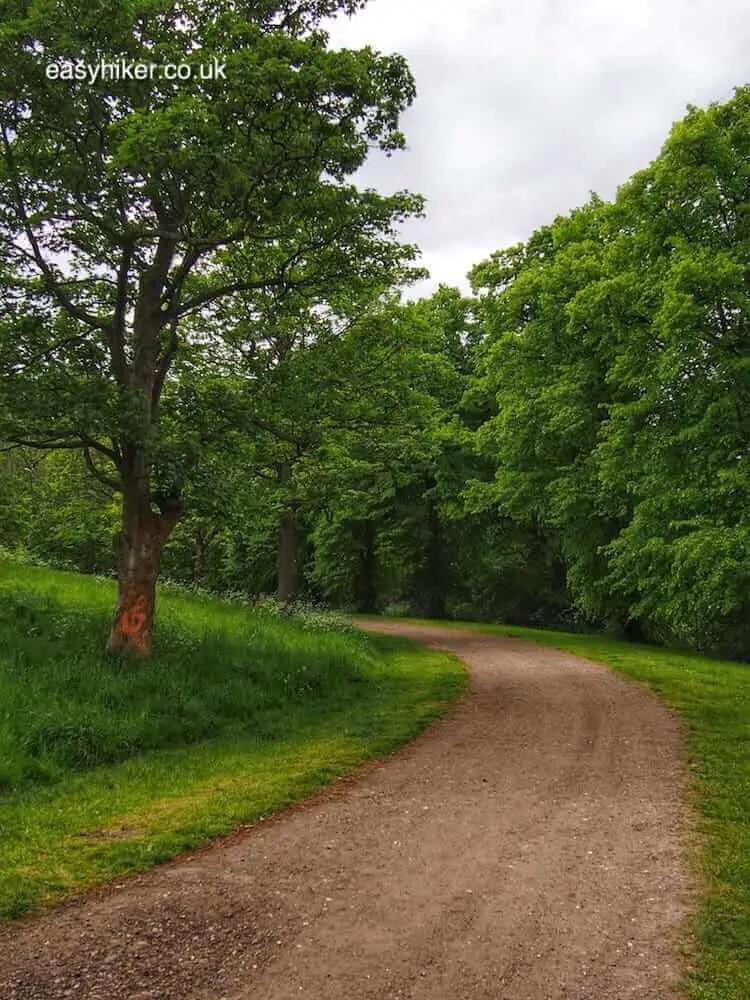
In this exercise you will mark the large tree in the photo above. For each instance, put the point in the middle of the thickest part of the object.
(132, 209)
(317, 360)
(543, 370)
(617, 365)
(678, 438)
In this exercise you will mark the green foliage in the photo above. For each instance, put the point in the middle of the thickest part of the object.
(544, 369)
(141, 217)
(56, 512)
(397, 527)
(677, 441)
(616, 367)
(569, 447)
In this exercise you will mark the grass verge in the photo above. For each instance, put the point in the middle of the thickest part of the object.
(108, 766)
(713, 698)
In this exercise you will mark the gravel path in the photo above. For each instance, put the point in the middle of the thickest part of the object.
(528, 847)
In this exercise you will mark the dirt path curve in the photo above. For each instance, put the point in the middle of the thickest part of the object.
(526, 848)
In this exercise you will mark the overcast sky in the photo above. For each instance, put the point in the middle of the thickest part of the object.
(525, 107)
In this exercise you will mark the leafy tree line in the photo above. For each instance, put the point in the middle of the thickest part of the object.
(360, 440)
(617, 368)
(205, 350)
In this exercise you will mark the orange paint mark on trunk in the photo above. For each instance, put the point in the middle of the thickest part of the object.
(131, 626)
(133, 619)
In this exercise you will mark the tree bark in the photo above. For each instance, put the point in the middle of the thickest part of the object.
(144, 528)
(365, 588)
(288, 564)
(139, 559)
(435, 565)
(200, 556)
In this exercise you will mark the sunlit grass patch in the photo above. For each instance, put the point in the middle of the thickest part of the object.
(109, 766)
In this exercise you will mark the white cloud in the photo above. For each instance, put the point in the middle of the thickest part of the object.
(525, 108)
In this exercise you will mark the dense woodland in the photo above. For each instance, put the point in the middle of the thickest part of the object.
(212, 368)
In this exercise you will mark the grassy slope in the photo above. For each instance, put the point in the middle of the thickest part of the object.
(108, 767)
(713, 697)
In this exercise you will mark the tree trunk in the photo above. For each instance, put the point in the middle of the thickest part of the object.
(144, 530)
(288, 567)
(139, 558)
(435, 568)
(365, 589)
(200, 557)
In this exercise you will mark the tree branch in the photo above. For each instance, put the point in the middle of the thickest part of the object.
(54, 286)
(163, 364)
(97, 473)
(277, 432)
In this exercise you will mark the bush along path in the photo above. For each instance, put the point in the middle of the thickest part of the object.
(528, 846)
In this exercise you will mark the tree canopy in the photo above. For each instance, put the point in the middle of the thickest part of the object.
(205, 332)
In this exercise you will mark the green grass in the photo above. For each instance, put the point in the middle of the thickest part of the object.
(109, 766)
(713, 698)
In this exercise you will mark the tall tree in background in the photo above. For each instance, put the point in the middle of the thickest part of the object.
(544, 371)
(618, 363)
(678, 439)
(317, 360)
(383, 536)
(132, 209)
